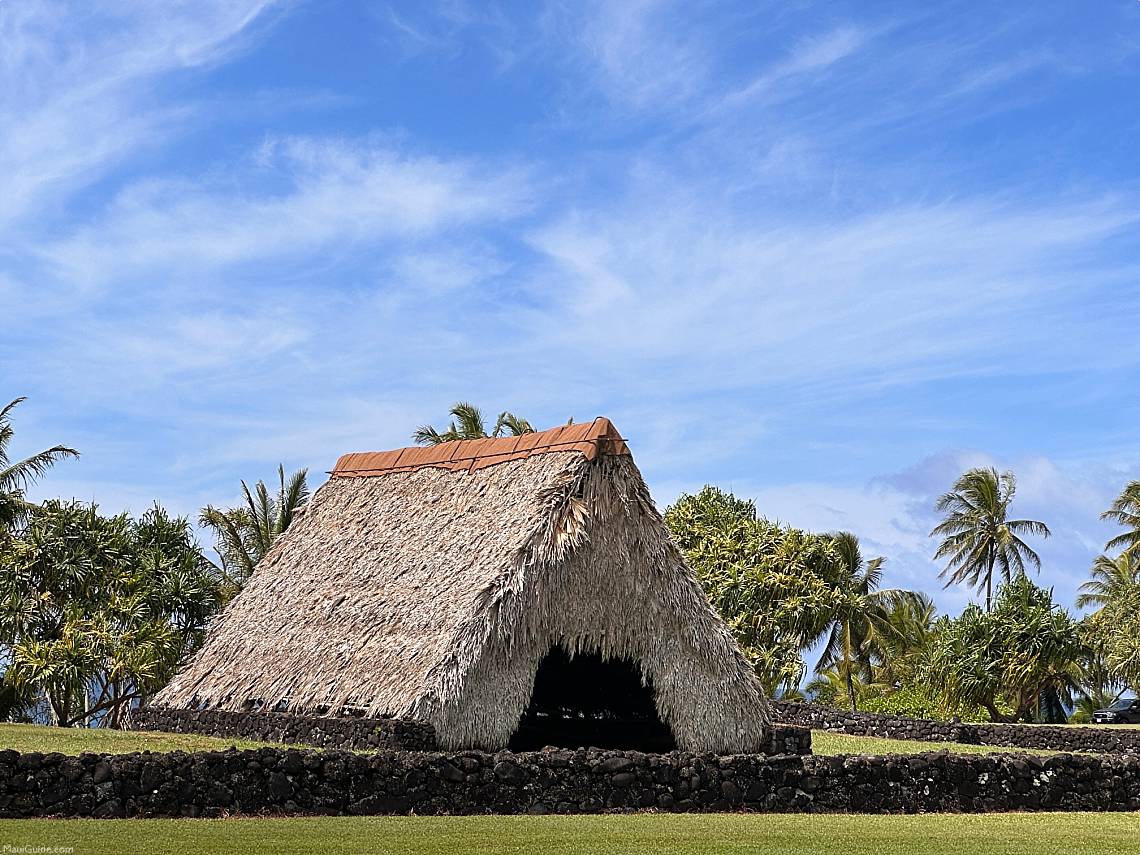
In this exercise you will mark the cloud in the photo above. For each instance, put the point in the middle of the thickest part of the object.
(908, 293)
(811, 55)
(998, 73)
(298, 196)
(814, 284)
(450, 29)
(78, 86)
(638, 53)
(447, 267)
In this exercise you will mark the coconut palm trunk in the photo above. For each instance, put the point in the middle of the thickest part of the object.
(991, 559)
(850, 688)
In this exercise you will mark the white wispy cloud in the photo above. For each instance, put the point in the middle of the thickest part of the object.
(297, 197)
(810, 55)
(898, 294)
(451, 27)
(76, 86)
(634, 51)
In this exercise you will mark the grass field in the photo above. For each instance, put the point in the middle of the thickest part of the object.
(74, 740)
(823, 742)
(935, 834)
(28, 737)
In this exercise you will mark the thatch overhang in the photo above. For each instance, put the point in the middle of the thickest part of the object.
(429, 583)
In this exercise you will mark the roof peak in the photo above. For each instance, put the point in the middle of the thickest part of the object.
(468, 455)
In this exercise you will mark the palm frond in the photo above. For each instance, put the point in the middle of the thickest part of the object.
(19, 475)
(426, 435)
(469, 421)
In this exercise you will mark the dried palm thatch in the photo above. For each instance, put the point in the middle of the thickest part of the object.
(430, 583)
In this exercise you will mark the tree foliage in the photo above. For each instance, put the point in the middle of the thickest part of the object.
(861, 630)
(16, 476)
(775, 586)
(1110, 579)
(1021, 651)
(96, 612)
(920, 700)
(467, 422)
(244, 534)
(977, 535)
(898, 656)
(1115, 629)
(781, 590)
(1125, 510)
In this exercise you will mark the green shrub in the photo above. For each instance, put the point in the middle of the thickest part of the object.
(917, 702)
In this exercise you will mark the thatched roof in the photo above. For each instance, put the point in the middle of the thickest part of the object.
(429, 583)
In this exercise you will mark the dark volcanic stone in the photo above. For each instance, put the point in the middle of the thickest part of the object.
(616, 764)
(510, 773)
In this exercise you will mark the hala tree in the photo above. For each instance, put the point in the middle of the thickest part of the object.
(977, 535)
(1023, 650)
(96, 612)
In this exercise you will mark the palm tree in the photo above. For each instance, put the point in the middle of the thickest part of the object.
(15, 478)
(1110, 577)
(898, 655)
(245, 533)
(861, 624)
(977, 536)
(467, 423)
(1126, 511)
(827, 686)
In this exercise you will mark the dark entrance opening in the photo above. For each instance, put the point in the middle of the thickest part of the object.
(586, 701)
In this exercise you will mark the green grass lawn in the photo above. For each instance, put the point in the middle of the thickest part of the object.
(823, 742)
(70, 740)
(1008, 834)
(74, 740)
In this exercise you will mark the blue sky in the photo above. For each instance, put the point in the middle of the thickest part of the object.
(825, 254)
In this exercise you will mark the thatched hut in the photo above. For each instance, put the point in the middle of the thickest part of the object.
(517, 591)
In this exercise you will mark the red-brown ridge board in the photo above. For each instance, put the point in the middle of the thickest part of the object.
(468, 455)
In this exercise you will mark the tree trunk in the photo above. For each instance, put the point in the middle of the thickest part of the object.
(60, 707)
(995, 715)
(991, 559)
(117, 709)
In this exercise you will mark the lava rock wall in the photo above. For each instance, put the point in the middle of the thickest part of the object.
(1102, 739)
(355, 733)
(319, 731)
(284, 781)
